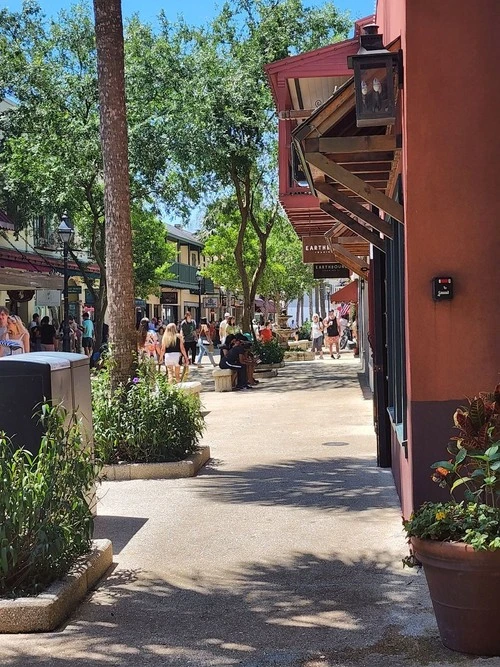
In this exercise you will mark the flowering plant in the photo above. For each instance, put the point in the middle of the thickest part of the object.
(473, 472)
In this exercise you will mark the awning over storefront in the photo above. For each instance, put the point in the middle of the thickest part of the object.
(6, 222)
(346, 294)
(16, 279)
(350, 170)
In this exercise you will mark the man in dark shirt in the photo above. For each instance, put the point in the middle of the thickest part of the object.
(235, 360)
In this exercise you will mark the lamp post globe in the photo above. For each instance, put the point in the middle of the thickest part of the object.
(65, 232)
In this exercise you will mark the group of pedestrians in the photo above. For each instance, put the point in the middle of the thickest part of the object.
(326, 332)
(40, 335)
(176, 345)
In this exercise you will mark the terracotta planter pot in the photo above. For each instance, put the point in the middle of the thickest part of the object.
(465, 590)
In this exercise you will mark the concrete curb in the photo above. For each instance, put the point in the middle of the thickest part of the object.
(185, 468)
(47, 611)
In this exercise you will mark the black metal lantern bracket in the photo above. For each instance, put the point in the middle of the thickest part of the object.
(377, 73)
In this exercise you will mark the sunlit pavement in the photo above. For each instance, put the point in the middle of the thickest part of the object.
(285, 550)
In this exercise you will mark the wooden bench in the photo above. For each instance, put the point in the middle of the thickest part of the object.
(223, 379)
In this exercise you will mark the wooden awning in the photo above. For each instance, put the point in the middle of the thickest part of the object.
(350, 170)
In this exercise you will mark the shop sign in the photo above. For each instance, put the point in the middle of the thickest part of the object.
(330, 270)
(169, 298)
(210, 302)
(48, 297)
(316, 249)
(140, 303)
(89, 298)
(74, 289)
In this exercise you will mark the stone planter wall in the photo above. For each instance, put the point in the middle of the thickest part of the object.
(178, 469)
(47, 611)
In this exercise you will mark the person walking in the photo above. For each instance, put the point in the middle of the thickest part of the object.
(48, 335)
(88, 334)
(223, 327)
(172, 347)
(4, 314)
(17, 332)
(147, 340)
(189, 337)
(205, 343)
(317, 335)
(332, 328)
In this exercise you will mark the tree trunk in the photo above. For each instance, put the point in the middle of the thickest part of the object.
(114, 142)
(317, 308)
(322, 298)
(311, 306)
(298, 314)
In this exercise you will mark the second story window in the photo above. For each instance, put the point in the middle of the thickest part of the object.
(41, 231)
(194, 259)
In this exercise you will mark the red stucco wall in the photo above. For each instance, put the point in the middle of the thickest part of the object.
(452, 165)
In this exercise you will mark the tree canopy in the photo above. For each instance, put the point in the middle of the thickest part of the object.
(226, 131)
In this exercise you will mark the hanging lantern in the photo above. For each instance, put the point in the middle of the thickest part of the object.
(376, 76)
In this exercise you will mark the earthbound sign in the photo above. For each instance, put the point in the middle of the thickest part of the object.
(316, 249)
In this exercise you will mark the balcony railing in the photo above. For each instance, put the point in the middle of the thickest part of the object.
(186, 274)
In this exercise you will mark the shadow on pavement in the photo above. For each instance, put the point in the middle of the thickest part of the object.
(304, 376)
(349, 484)
(119, 529)
(358, 612)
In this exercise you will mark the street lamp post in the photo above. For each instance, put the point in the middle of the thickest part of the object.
(65, 234)
(199, 278)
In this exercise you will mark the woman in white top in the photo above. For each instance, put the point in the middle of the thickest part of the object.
(16, 331)
(317, 335)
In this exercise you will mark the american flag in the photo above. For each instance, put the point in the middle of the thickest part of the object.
(344, 309)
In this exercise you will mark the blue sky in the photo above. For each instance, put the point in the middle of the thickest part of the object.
(194, 11)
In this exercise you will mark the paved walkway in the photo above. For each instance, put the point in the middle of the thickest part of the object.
(286, 550)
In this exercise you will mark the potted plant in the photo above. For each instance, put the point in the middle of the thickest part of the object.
(458, 542)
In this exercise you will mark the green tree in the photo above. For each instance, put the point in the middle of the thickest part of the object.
(226, 133)
(286, 276)
(50, 154)
(153, 257)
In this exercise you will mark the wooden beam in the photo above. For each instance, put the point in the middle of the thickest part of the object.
(372, 143)
(356, 185)
(356, 264)
(357, 210)
(393, 176)
(354, 226)
(326, 115)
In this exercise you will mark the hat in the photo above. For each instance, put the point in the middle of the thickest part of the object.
(227, 314)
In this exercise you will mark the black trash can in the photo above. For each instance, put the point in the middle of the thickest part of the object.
(27, 380)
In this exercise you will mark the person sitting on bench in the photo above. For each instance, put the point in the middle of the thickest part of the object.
(235, 359)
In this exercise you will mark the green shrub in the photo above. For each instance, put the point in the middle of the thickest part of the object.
(149, 421)
(304, 333)
(45, 520)
(269, 353)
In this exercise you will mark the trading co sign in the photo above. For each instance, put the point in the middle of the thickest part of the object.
(316, 249)
(330, 270)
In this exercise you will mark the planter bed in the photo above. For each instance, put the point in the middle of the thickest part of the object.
(188, 467)
(45, 612)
